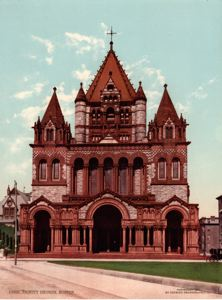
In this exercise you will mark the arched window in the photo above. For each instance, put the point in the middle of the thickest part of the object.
(175, 168)
(162, 168)
(78, 177)
(123, 175)
(138, 176)
(169, 132)
(98, 115)
(110, 114)
(42, 169)
(108, 173)
(49, 135)
(93, 176)
(55, 169)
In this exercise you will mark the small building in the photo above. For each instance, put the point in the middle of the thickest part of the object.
(209, 234)
(220, 219)
(7, 215)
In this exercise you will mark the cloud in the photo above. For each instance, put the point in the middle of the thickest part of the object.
(136, 67)
(19, 168)
(83, 43)
(23, 95)
(30, 115)
(153, 95)
(104, 27)
(199, 93)
(38, 87)
(49, 60)
(18, 144)
(33, 57)
(155, 74)
(62, 96)
(183, 108)
(35, 89)
(83, 75)
(46, 43)
(211, 81)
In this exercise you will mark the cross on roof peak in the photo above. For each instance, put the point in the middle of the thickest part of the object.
(111, 32)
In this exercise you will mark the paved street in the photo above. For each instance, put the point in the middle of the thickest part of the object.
(39, 279)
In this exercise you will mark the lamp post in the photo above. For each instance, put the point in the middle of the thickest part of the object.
(16, 229)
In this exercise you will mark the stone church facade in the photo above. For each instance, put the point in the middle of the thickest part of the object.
(116, 186)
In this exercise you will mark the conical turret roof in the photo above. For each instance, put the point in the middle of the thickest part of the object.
(140, 93)
(53, 112)
(166, 109)
(81, 94)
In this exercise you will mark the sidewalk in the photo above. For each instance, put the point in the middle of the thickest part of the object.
(115, 284)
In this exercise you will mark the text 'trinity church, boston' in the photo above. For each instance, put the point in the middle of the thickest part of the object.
(116, 186)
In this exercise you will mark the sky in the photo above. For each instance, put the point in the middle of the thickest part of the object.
(63, 42)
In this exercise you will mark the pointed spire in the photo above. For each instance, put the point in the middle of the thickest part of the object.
(140, 93)
(53, 111)
(166, 109)
(8, 190)
(81, 96)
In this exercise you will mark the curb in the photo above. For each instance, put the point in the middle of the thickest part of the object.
(188, 285)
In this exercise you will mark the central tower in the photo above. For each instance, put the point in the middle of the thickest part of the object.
(111, 110)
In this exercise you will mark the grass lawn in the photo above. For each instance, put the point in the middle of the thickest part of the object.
(210, 272)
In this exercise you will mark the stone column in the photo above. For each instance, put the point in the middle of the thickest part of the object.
(130, 188)
(115, 179)
(52, 238)
(124, 240)
(184, 240)
(90, 239)
(86, 180)
(32, 239)
(155, 237)
(67, 235)
(74, 236)
(101, 179)
(130, 236)
(84, 236)
(148, 236)
(138, 236)
(163, 239)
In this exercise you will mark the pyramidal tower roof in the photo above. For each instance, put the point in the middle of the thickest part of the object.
(53, 111)
(166, 109)
(111, 67)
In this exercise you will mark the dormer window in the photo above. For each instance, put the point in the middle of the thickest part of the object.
(49, 135)
(110, 87)
(169, 132)
(110, 115)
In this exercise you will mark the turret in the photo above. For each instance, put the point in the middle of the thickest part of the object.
(52, 129)
(167, 126)
(80, 116)
(140, 114)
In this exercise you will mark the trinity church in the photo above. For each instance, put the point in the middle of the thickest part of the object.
(117, 185)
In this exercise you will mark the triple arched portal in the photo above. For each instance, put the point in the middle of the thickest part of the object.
(107, 234)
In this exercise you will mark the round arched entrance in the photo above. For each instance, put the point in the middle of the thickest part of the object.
(174, 232)
(42, 232)
(107, 231)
